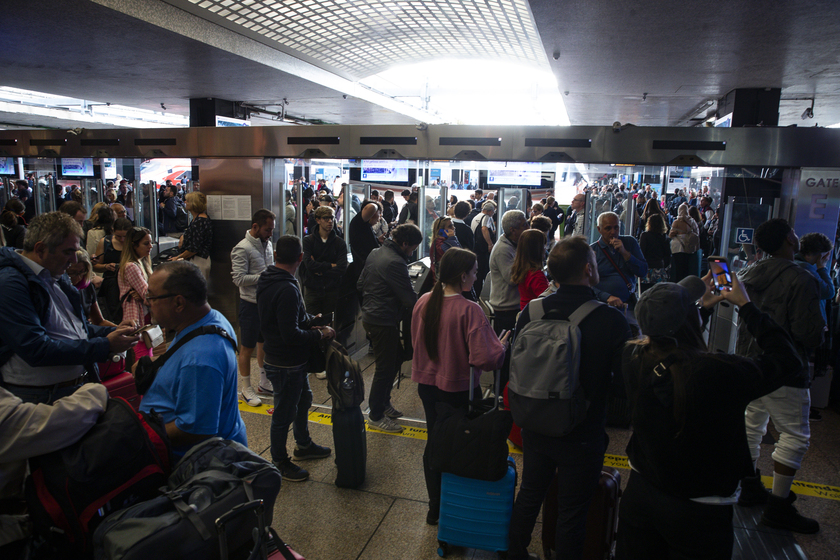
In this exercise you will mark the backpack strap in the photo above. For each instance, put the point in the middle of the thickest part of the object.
(206, 329)
(584, 310)
(536, 311)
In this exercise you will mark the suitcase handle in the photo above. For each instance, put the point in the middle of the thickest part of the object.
(497, 379)
(260, 550)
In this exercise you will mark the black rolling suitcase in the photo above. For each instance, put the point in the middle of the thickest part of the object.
(347, 389)
(350, 442)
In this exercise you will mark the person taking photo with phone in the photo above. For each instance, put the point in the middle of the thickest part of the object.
(688, 408)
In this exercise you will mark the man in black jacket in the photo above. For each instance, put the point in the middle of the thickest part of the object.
(387, 291)
(288, 334)
(463, 231)
(578, 456)
(323, 266)
(389, 208)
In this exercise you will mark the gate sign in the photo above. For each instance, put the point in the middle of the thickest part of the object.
(818, 202)
(744, 236)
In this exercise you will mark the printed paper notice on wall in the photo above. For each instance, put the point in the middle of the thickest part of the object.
(229, 207)
(214, 206)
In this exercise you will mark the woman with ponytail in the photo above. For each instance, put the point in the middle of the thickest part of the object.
(450, 334)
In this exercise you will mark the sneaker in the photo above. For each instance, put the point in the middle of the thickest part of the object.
(753, 492)
(313, 451)
(291, 472)
(321, 375)
(263, 391)
(780, 514)
(385, 424)
(250, 396)
(265, 385)
(815, 415)
(392, 412)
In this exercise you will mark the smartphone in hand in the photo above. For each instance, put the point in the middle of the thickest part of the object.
(322, 321)
(721, 275)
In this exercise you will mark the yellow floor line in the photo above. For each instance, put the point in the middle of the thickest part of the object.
(617, 461)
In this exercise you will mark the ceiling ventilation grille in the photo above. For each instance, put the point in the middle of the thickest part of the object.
(360, 38)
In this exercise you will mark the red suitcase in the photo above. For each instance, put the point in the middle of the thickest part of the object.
(601, 521)
(122, 385)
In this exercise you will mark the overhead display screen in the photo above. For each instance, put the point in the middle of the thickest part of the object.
(390, 170)
(7, 166)
(514, 174)
(77, 167)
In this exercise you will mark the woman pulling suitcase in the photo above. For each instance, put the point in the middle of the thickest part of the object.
(450, 334)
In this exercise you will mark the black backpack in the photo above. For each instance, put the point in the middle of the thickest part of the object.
(181, 219)
(123, 460)
(338, 365)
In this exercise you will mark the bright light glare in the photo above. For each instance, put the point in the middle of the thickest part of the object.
(834, 125)
(21, 101)
(477, 92)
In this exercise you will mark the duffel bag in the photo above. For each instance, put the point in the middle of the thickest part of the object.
(124, 459)
(211, 479)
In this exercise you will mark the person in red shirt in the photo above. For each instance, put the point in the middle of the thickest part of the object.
(527, 270)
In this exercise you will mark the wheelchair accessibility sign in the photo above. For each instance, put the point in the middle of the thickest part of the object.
(744, 236)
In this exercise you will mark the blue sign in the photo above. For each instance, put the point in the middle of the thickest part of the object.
(744, 236)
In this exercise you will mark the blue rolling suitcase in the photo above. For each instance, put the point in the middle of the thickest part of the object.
(476, 513)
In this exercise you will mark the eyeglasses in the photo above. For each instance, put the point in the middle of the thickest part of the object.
(609, 228)
(152, 298)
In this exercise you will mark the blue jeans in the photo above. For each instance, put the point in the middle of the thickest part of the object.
(292, 399)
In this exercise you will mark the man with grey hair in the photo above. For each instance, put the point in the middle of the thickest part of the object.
(504, 295)
(620, 264)
(48, 349)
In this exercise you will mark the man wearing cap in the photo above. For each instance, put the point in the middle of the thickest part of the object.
(789, 294)
(579, 455)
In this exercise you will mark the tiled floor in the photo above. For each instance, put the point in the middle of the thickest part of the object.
(385, 518)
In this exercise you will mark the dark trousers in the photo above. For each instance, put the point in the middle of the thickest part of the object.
(653, 524)
(578, 466)
(41, 395)
(482, 272)
(430, 396)
(504, 320)
(292, 399)
(320, 301)
(681, 265)
(387, 354)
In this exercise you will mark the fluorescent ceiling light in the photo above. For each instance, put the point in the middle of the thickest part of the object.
(25, 102)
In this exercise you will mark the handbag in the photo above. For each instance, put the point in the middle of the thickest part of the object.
(471, 443)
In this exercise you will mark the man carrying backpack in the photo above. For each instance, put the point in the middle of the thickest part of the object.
(578, 455)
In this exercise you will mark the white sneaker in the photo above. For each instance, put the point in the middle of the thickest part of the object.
(386, 425)
(321, 375)
(250, 396)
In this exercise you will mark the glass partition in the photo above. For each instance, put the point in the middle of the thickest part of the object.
(741, 217)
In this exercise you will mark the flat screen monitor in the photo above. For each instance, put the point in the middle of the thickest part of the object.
(7, 166)
(77, 167)
(387, 170)
(514, 174)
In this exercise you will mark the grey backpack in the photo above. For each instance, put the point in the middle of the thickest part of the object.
(544, 390)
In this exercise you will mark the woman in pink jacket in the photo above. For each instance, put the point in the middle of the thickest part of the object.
(135, 269)
(450, 334)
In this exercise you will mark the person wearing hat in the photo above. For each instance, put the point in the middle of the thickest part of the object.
(688, 413)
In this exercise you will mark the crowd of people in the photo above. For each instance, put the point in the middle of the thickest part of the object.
(644, 339)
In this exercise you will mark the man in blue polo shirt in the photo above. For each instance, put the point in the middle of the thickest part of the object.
(620, 265)
(196, 389)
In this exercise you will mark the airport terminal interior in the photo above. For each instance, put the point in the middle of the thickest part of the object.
(252, 101)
